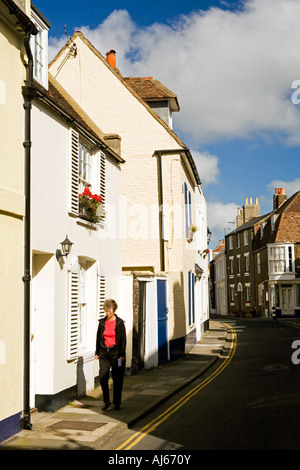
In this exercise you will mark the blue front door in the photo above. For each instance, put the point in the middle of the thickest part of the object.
(162, 318)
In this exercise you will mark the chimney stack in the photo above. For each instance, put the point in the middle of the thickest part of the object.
(111, 58)
(279, 198)
(249, 211)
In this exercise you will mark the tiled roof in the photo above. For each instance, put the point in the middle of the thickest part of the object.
(289, 228)
(250, 223)
(289, 220)
(117, 74)
(150, 89)
(287, 224)
(66, 106)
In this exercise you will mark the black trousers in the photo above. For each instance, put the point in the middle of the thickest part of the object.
(107, 360)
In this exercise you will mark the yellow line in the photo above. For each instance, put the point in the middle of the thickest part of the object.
(286, 322)
(138, 436)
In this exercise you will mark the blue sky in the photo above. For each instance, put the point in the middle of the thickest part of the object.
(231, 64)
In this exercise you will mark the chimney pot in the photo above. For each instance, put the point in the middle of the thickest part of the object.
(111, 58)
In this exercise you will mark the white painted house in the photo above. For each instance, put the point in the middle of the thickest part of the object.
(159, 204)
(69, 153)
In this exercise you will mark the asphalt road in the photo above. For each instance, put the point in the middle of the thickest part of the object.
(252, 404)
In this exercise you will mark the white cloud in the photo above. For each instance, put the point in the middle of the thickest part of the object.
(220, 218)
(207, 166)
(221, 215)
(290, 187)
(232, 71)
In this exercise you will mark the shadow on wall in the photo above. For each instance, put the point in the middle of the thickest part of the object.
(81, 381)
(178, 343)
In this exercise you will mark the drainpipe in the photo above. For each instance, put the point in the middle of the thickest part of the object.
(161, 212)
(159, 154)
(28, 92)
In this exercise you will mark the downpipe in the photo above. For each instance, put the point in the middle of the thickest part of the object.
(28, 92)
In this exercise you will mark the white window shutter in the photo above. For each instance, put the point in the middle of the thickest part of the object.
(74, 171)
(101, 293)
(102, 177)
(73, 311)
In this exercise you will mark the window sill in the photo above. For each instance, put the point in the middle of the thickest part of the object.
(86, 223)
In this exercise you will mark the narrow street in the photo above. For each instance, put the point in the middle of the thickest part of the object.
(252, 404)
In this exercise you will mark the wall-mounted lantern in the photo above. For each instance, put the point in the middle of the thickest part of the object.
(66, 247)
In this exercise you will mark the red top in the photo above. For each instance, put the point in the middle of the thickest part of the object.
(110, 333)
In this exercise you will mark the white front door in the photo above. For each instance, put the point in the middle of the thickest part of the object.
(287, 301)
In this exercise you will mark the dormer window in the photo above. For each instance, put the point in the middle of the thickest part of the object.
(272, 223)
(262, 229)
(39, 48)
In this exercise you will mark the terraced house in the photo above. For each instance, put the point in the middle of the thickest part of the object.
(263, 252)
(276, 249)
(16, 28)
(239, 260)
(164, 274)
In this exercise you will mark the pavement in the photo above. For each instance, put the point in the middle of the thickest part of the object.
(83, 425)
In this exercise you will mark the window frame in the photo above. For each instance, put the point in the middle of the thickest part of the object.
(40, 42)
(95, 181)
(287, 261)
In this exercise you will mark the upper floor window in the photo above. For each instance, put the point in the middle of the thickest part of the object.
(238, 265)
(281, 259)
(39, 48)
(87, 173)
(246, 239)
(188, 213)
(258, 263)
(231, 266)
(230, 242)
(247, 266)
(272, 223)
(262, 229)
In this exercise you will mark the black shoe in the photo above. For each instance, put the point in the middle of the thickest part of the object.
(117, 407)
(106, 405)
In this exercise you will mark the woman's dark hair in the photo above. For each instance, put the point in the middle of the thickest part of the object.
(110, 303)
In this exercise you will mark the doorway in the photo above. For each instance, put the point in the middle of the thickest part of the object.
(162, 319)
(287, 301)
(141, 324)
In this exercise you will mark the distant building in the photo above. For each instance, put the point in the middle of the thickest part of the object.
(219, 280)
(276, 251)
(262, 255)
(239, 260)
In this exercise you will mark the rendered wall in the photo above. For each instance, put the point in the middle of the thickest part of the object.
(11, 223)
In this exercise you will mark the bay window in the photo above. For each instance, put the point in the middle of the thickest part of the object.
(281, 259)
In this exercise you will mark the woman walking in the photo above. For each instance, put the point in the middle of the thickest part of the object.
(110, 350)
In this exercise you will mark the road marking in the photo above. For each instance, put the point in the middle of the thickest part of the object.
(289, 323)
(138, 436)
